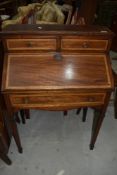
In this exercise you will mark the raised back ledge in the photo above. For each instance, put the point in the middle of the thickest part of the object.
(57, 29)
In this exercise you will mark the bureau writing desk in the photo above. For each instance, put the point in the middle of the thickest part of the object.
(57, 67)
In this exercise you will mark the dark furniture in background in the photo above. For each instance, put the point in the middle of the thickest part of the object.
(114, 29)
(106, 10)
(88, 10)
(107, 16)
(8, 7)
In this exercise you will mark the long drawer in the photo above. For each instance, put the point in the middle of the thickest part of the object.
(75, 44)
(31, 44)
(57, 100)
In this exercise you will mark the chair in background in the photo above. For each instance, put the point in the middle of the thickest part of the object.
(115, 94)
(84, 113)
(24, 114)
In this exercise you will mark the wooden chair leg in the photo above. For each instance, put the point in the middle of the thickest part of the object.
(65, 113)
(27, 113)
(115, 94)
(84, 114)
(17, 117)
(22, 113)
(115, 104)
(78, 111)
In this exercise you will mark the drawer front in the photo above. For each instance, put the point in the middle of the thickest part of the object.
(57, 100)
(31, 44)
(77, 44)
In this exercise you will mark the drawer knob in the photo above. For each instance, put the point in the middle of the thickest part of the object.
(91, 99)
(29, 44)
(85, 45)
(58, 56)
(26, 100)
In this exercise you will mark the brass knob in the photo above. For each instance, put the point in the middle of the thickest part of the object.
(85, 45)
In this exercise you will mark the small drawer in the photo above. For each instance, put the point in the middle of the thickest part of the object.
(31, 44)
(77, 44)
(55, 100)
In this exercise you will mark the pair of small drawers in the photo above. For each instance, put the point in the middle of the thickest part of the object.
(56, 100)
(46, 44)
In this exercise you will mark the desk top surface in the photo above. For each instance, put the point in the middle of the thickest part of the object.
(56, 29)
(37, 72)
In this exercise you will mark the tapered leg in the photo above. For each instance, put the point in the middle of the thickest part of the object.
(4, 150)
(13, 124)
(15, 134)
(84, 114)
(97, 121)
(22, 113)
(5, 158)
(115, 104)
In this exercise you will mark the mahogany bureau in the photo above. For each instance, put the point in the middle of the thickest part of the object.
(57, 67)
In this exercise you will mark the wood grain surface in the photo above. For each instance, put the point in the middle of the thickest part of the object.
(46, 72)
